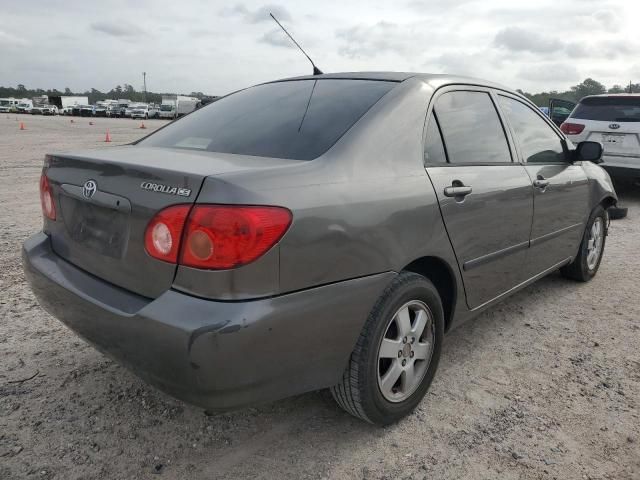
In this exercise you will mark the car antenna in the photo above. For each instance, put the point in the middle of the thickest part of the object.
(316, 70)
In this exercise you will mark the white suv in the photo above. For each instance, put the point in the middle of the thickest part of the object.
(613, 120)
(144, 111)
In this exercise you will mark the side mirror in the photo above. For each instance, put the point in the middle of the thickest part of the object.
(589, 152)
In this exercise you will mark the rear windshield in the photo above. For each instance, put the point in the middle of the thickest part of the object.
(609, 109)
(297, 120)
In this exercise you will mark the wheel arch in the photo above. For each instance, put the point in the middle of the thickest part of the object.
(608, 201)
(440, 273)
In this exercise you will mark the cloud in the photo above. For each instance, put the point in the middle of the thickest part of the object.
(277, 38)
(521, 40)
(258, 15)
(560, 72)
(117, 29)
(9, 40)
(607, 19)
(371, 40)
(428, 6)
(198, 47)
(468, 64)
(577, 50)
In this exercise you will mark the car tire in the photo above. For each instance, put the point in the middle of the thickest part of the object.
(616, 213)
(367, 389)
(585, 266)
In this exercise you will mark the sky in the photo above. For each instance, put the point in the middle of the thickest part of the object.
(217, 47)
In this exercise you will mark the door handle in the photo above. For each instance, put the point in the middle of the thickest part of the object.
(540, 182)
(457, 191)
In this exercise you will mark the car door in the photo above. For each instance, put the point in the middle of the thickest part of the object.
(560, 109)
(561, 188)
(485, 198)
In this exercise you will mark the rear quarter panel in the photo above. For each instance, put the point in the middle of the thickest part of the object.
(364, 207)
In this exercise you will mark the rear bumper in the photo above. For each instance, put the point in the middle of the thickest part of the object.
(622, 166)
(218, 355)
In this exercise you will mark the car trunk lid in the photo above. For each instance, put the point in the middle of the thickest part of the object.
(106, 198)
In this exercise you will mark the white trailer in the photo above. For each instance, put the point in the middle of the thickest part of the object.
(61, 101)
(174, 106)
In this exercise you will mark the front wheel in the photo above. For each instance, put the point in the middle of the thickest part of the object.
(397, 353)
(585, 266)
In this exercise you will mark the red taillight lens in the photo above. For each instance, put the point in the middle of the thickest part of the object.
(228, 236)
(572, 128)
(46, 198)
(215, 237)
(163, 234)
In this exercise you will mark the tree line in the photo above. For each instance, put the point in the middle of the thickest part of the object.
(587, 87)
(124, 91)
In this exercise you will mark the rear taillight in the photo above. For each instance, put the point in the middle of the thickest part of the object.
(163, 234)
(572, 128)
(216, 237)
(46, 198)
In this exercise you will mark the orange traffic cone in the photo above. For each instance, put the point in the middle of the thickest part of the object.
(108, 137)
(22, 127)
(142, 125)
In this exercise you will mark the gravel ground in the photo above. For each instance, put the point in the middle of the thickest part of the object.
(544, 385)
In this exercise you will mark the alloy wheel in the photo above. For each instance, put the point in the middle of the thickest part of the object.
(405, 351)
(594, 243)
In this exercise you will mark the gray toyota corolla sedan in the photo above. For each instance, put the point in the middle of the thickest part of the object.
(314, 232)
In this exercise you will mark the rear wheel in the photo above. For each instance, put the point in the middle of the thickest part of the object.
(586, 264)
(397, 353)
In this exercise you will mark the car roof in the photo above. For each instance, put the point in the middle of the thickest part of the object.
(433, 79)
(613, 95)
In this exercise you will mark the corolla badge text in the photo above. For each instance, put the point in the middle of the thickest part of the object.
(168, 189)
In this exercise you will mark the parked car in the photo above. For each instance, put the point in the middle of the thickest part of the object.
(115, 110)
(76, 110)
(560, 109)
(88, 111)
(37, 110)
(24, 108)
(100, 111)
(8, 105)
(323, 231)
(67, 110)
(614, 121)
(144, 111)
(49, 110)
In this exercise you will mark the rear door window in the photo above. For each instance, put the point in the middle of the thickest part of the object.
(539, 143)
(297, 120)
(609, 109)
(471, 128)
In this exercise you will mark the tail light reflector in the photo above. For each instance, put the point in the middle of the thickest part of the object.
(215, 237)
(46, 198)
(572, 128)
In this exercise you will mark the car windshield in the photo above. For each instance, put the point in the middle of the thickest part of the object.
(609, 109)
(297, 120)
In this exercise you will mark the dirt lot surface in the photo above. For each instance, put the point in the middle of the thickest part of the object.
(545, 385)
